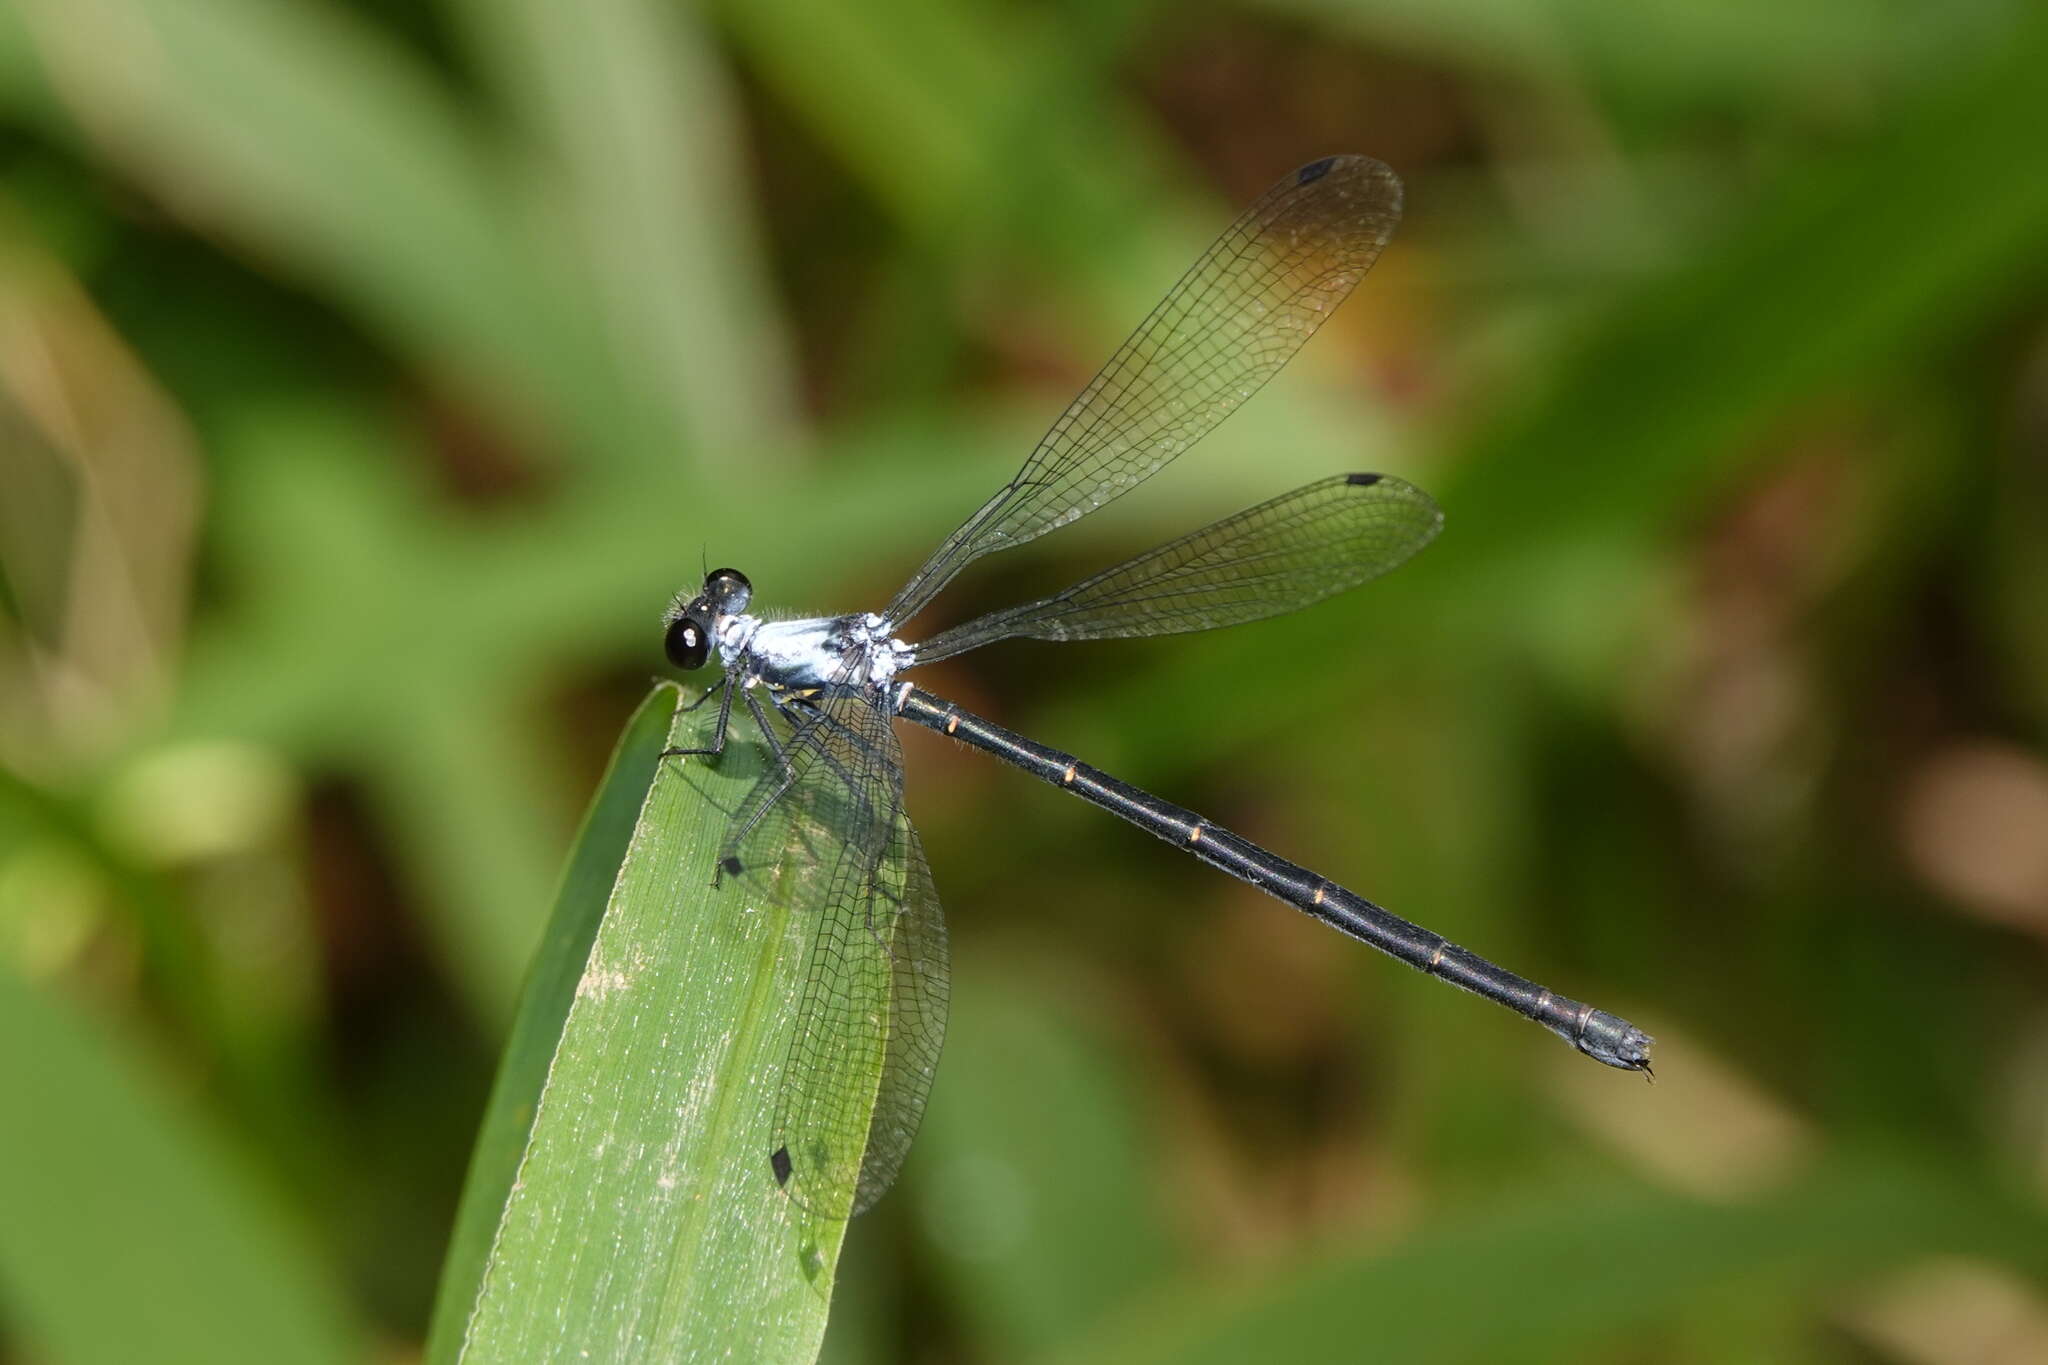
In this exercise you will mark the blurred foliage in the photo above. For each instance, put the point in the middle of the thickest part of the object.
(370, 374)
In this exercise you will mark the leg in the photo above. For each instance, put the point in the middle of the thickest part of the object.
(702, 697)
(808, 745)
(814, 714)
(803, 710)
(727, 861)
(855, 761)
(717, 746)
(775, 748)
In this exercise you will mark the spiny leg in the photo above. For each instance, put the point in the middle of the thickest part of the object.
(779, 751)
(815, 732)
(703, 697)
(804, 708)
(793, 717)
(768, 733)
(860, 745)
(718, 732)
(807, 705)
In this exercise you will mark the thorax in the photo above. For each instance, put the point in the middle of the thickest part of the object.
(815, 651)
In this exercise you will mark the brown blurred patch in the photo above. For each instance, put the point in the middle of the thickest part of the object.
(1974, 819)
(1251, 96)
(1738, 704)
(475, 458)
(1264, 989)
(1702, 1127)
(1954, 1311)
(97, 528)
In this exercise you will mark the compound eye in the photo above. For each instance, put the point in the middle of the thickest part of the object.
(687, 645)
(729, 589)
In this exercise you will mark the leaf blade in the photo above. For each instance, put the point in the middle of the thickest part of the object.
(644, 1222)
(551, 987)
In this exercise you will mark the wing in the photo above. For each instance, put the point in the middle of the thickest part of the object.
(906, 947)
(825, 836)
(1277, 557)
(1239, 314)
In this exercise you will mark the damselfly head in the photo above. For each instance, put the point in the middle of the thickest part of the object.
(693, 626)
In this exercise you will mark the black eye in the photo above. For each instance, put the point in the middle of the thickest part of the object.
(686, 644)
(728, 589)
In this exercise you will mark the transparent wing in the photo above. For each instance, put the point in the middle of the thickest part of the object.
(1277, 557)
(824, 835)
(905, 934)
(1239, 314)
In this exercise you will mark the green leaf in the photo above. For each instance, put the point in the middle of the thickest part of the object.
(1560, 1280)
(304, 134)
(129, 1231)
(636, 123)
(550, 991)
(644, 1222)
(1847, 270)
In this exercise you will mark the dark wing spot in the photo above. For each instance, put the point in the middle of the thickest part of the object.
(1315, 170)
(1361, 480)
(779, 1159)
(730, 866)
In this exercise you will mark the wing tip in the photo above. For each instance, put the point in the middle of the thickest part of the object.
(1314, 171)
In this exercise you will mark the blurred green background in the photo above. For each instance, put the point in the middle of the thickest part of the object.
(371, 374)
